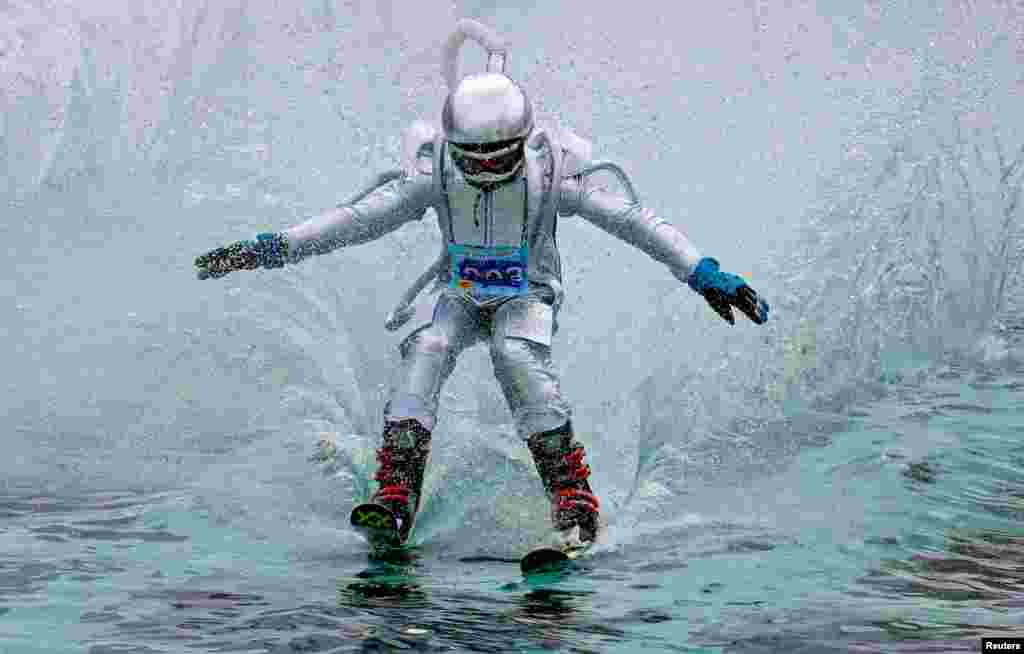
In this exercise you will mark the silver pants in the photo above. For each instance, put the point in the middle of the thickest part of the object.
(518, 331)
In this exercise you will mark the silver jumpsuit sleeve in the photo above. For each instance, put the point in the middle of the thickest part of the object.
(380, 212)
(632, 223)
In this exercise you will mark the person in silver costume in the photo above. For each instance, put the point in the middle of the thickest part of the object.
(498, 183)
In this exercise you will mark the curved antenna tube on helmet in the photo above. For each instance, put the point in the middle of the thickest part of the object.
(496, 47)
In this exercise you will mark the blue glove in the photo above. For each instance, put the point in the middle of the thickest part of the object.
(725, 290)
(267, 251)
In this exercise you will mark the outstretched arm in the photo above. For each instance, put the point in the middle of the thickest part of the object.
(632, 223)
(661, 240)
(378, 213)
(374, 214)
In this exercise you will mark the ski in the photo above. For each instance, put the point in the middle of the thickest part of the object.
(551, 559)
(378, 524)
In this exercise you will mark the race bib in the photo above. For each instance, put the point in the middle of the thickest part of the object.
(498, 271)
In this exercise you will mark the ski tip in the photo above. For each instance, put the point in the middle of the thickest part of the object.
(544, 559)
(378, 524)
(372, 516)
(550, 559)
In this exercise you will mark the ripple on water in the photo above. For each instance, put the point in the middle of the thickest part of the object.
(25, 577)
(30, 503)
(211, 599)
(964, 407)
(151, 536)
(666, 565)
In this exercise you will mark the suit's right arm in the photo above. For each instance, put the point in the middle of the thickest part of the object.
(382, 211)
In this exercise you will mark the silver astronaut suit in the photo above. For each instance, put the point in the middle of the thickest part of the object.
(521, 215)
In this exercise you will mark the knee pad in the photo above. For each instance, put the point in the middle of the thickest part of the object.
(426, 340)
(512, 351)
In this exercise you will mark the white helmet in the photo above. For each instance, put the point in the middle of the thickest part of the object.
(486, 120)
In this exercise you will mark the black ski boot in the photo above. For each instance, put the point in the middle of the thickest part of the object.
(403, 459)
(559, 461)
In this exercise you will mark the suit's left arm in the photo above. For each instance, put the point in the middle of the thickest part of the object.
(634, 224)
(661, 240)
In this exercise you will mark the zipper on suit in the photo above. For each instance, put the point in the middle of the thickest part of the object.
(488, 216)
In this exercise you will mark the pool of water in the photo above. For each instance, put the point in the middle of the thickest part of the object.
(898, 531)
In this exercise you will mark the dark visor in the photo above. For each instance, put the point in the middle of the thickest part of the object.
(499, 164)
